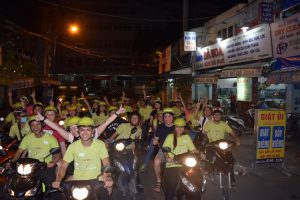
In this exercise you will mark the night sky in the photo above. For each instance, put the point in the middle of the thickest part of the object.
(34, 15)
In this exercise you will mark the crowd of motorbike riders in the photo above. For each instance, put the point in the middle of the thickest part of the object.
(84, 140)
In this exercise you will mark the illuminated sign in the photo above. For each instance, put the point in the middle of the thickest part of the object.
(190, 41)
(244, 89)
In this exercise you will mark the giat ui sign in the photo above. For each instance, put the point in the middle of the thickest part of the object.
(190, 41)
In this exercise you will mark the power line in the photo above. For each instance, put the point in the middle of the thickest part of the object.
(118, 16)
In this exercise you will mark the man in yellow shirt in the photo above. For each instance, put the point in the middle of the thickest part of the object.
(88, 155)
(38, 145)
(21, 128)
(124, 131)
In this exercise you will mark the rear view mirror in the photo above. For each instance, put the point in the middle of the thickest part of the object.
(166, 149)
(55, 150)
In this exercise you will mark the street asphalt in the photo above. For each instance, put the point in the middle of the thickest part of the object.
(267, 182)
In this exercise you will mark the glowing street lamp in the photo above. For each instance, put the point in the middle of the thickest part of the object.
(73, 28)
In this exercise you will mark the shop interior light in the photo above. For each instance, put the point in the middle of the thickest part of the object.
(244, 29)
(219, 39)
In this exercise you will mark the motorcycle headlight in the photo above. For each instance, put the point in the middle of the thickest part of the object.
(80, 193)
(1, 147)
(188, 184)
(31, 192)
(120, 146)
(190, 162)
(223, 145)
(119, 165)
(24, 169)
(61, 122)
(11, 193)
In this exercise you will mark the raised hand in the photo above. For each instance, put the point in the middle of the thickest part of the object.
(82, 95)
(33, 94)
(39, 117)
(10, 93)
(121, 110)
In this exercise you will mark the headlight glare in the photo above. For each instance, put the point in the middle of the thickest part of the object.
(24, 169)
(11, 193)
(120, 146)
(80, 193)
(190, 162)
(223, 145)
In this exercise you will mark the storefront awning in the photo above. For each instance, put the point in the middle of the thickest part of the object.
(15, 81)
(206, 79)
(249, 70)
(187, 70)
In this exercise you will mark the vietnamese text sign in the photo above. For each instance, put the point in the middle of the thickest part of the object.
(286, 37)
(244, 89)
(190, 41)
(270, 130)
(253, 45)
(266, 12)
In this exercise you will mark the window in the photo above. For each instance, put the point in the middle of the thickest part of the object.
(230, 31)
(224, 33)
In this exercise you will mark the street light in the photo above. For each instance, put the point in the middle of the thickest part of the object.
(73, 28)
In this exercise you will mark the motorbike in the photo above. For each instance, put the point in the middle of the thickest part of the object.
(25, 180)
(220, 162)
(292, 128)
(236, 123)
(192, 182)
(125, 163)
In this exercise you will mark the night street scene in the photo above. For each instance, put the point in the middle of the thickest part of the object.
(150, 100)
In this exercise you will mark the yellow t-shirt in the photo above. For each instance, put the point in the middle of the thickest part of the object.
(216, 131)
(99, 119)
(193, 120)
(146, 112)
(184, 144)
(11, 118)
(14, 131)
(38, 148)
(124, 132)
(87, 160)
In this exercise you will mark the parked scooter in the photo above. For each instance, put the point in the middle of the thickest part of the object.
(292, 127)
(25, 181)
(236, 123)
(125, 162)
(221, 163)
(192, 182)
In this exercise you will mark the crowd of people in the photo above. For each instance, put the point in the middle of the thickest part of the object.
(82, 135)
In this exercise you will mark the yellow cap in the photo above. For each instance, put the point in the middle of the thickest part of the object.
(31, 119)
(66, 103)
(17, 105)
(168, 110)
(73, 121)
(50, 108)
(179, 122)
(38, 103)
(160, 112)
(102, 103)
(78, 105)
(86, 121)
(72, 107)
(111, 108)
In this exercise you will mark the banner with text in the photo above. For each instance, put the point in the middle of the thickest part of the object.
(286, 37)
(190, 41)
(270, 126)
(253, 45)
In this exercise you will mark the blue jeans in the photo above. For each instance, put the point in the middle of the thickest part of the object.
(148, 154)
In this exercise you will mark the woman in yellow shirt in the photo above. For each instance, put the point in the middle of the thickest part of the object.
(179, 143)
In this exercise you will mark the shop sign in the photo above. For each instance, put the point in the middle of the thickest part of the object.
(165, 60)
(266, 14)
(22, 83)
(207, 80)
(288, 77)
(249, 72)
(190, 41)
(286, 37)
(244, 89)
(270, 126)
(253, 45)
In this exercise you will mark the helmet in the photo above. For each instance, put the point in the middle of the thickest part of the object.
(180, 122)
(111, 108)
(50, 108)
(66, 103)
(73, 121)
(160, 112)
(96, 101)
(31, 119)
(86, 121)
(120, 102)
(38, 104)
(72, 107)
(168, 110)
(217, 110)
(101, 103)
(78, 105)
(17, 105)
